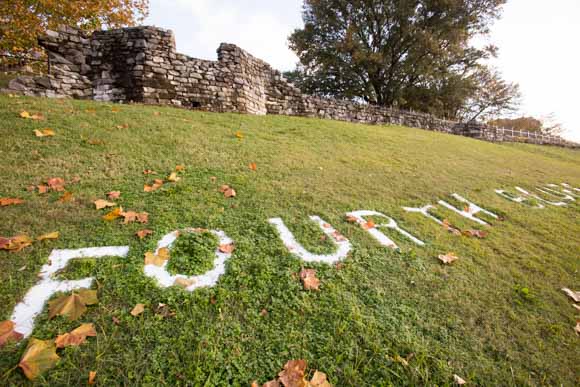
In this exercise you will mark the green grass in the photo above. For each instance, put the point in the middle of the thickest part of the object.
(495, 317)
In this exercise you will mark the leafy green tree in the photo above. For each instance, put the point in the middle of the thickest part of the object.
(411, 54)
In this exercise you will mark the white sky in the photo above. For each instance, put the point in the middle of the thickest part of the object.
(538, 40)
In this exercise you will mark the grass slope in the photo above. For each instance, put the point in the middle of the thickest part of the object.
(472, 318)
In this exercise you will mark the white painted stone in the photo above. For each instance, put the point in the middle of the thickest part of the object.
(209, 278)
(561, 195)
(26, 311)
(472, 209)
(296, 248)
(516, 198)
(558, 204)
(424, 211)
(377, 234)
(565, 190)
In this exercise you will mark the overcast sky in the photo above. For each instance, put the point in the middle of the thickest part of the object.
(538, 43)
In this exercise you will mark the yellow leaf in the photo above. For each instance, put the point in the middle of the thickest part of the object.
(113, 214)
(319, 380)
(24, 114)
(184, 282)
(157, 259)
(101, 203)
(39, 357)
(173, 177)
(73, 305)
(239, 134)
(66, 197)
(137, 310)
(16, 243)
(92, 376)
(76, 337)
(44, 132)
(52, 235)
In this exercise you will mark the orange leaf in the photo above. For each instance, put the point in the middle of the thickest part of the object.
(56, 183)
(227, 248)
(293, 373)
(179, 168)
(309, 280)
(66, 197)
(143, 233)
(47, 132)
(475, 233)
(113, 214)
(252, 166)
(73, 305)
(132, 216)
(156, 185)
(42, 189)
(368, 225)
(15, 244)
(76, 337)
(39, 357)
(92, 376)
(149, 172)
(157, 259)
(173, 177)
(137, 310)
(7, 333)
(239, 134)
(10, 201)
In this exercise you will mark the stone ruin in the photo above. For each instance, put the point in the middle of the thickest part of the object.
(140, 64)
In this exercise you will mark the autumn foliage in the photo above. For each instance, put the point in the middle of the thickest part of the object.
(24, 20)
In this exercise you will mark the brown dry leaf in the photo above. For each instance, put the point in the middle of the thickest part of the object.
(115, 110)
(16, 243)
(173, 177)
(149, 172)
(92, 376)
(572, 294)
(101, 203)
(319, 380)
(227, 248)
(137, 310)
(76, 337)
(66, 197)
(338, 236)
(95, 141)
(351, 219)
(230, 193)
(116, 213)
(10, 201)
(184, 282)
(143, 233)
(156, 113)
(156, 185)
(73, 305)
(56, 184)
(309, 280)
(113, 195)
(51, 235)
(157, 259)
(213, 179)
(253, 166)
(179, 168)
(224, 188)
(164, 311)
(449, 227)
(271, 383)
(475, 233)
(132, 216)
(458, 380)
(448, 258)
(46, 132)
(124, 126)
(39, 357)
(42, 189)
(7, 333)
(293, 373)
(368, 225)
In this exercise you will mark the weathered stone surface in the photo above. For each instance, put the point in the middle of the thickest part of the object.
(140, 64)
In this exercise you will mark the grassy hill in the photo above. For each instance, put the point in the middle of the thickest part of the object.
(496, 316)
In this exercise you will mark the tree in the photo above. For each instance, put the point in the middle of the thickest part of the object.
(411, 54)
(22, 21)
(546, 125)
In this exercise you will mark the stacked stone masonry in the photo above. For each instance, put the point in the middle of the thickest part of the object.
(141, 64)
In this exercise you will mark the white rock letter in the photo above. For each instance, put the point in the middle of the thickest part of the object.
(470, 211)
(294, 247)
(378, 235)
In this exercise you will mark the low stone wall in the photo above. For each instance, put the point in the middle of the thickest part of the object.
(141, 64)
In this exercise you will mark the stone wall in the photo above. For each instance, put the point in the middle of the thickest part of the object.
(141, 64)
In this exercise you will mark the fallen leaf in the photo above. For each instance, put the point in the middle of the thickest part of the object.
(157, 259)
(309, 280)
(66, 197)
(43, 189)
(10, 201)
(143, 233)
(164, 311)
(475, 233)
(39, 357)
(114, 195)
(572, 294)
(73, 305)
(115, 110)
(132, 216)
(179, 168)
(149, 172)
(47, 132)
(230, 193)
(319, 380)
(124, 126)
(113, 214)
(227, 248)
(156, 185)
(92, 376)
(101, 203)
(156, 113)
(16, 243)
(448, 258)
(137, 310)
(173, 177)
(449, 227)
(224, 188)
(184, 282)
(76, 337)
(90, 111)
(399, 359)
(458, 380)
(351, 219)
(24, 114)
(51, 235)
(239, 134)
(253, 166)
(338, 236)
(56, 183)
(213, 179)
(293, 373)
(264, 312)
(271, 383)
(7, 333)
(95, 141)
(368, 225)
